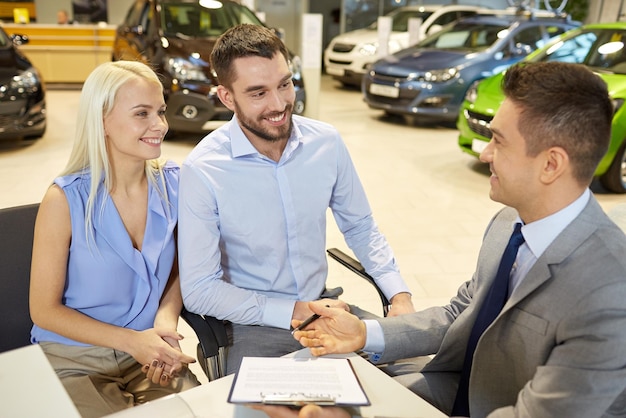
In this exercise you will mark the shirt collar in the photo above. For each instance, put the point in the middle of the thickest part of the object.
(540, 234)
(241, 146)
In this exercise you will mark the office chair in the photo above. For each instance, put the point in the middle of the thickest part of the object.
(17, 225)
(16, 245)
(211, 332)
(356, 267)
(212, 343)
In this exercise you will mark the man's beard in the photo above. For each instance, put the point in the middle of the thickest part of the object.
(257, 129)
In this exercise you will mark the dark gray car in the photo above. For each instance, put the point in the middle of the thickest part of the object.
(176, 37)
(22, 92)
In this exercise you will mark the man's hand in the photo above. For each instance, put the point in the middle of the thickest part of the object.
(302, 310)
(307, 411)
(401, 304)
(337, 331)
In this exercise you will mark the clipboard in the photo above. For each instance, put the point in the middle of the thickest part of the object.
(297, 382)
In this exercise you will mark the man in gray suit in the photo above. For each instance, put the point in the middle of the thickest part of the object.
(557, 347)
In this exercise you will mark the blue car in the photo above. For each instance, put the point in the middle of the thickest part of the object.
(429, 80)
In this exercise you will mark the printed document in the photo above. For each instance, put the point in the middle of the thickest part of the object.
(297, 381)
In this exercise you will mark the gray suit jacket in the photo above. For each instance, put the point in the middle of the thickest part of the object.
(557, 349)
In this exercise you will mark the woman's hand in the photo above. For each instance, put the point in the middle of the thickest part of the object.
(159, 351)
(155, 372)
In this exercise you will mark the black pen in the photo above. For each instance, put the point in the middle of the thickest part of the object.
(307, 321)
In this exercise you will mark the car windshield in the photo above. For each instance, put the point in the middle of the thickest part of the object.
(600, 49)
(194, 20)
(400, 19)
(465, 36)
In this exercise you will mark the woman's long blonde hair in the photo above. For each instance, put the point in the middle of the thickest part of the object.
(89, 152)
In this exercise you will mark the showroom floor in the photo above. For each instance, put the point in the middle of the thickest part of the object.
(429, 199)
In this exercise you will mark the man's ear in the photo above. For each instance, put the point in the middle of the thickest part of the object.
(226, 97)
(555, 165)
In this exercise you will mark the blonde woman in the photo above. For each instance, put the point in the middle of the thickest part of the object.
(104, 292)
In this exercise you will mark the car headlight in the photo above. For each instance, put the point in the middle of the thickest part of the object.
(440, 76)
(184, 70)
(295, 66)
(369, 49)
(25, 81)
(472, 92)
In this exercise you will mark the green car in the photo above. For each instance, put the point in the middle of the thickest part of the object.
(601, 47)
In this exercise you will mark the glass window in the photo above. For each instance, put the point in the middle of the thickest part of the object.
(401, 20)
(191, 19)
(572, 50)
(529, 36)
(464, 36)
(133, 17)
(446, 18)
(608, 51)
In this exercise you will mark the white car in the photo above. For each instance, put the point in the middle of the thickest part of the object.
(348, 54)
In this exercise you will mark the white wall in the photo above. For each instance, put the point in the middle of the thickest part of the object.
(47, 10)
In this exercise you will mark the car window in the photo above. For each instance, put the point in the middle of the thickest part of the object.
(530, 36)
(465, 13)
(400, 19)
(608, 52)
(134, 13)
(572, 50)
(446, 18)
(243, 15)
(146, 19)
(191, 19)
(464, 36)
(552, 32)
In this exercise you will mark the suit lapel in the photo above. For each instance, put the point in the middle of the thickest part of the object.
(561, 248)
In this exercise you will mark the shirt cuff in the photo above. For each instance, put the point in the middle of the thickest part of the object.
(391, 284)
(374, 340)
(278, 313)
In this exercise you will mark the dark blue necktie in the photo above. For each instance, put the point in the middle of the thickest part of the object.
(496, 298)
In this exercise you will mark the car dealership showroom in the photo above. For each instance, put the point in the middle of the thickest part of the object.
(416, 153)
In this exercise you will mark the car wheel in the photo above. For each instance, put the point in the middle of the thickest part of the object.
(615, 177)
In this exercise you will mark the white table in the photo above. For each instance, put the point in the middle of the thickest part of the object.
(30, 387)
(388, 398)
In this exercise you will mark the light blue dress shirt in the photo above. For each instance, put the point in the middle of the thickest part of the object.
(252, 231)
(538, 236)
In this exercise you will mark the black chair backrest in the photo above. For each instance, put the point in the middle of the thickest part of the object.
(16, 246)
(353, 265)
